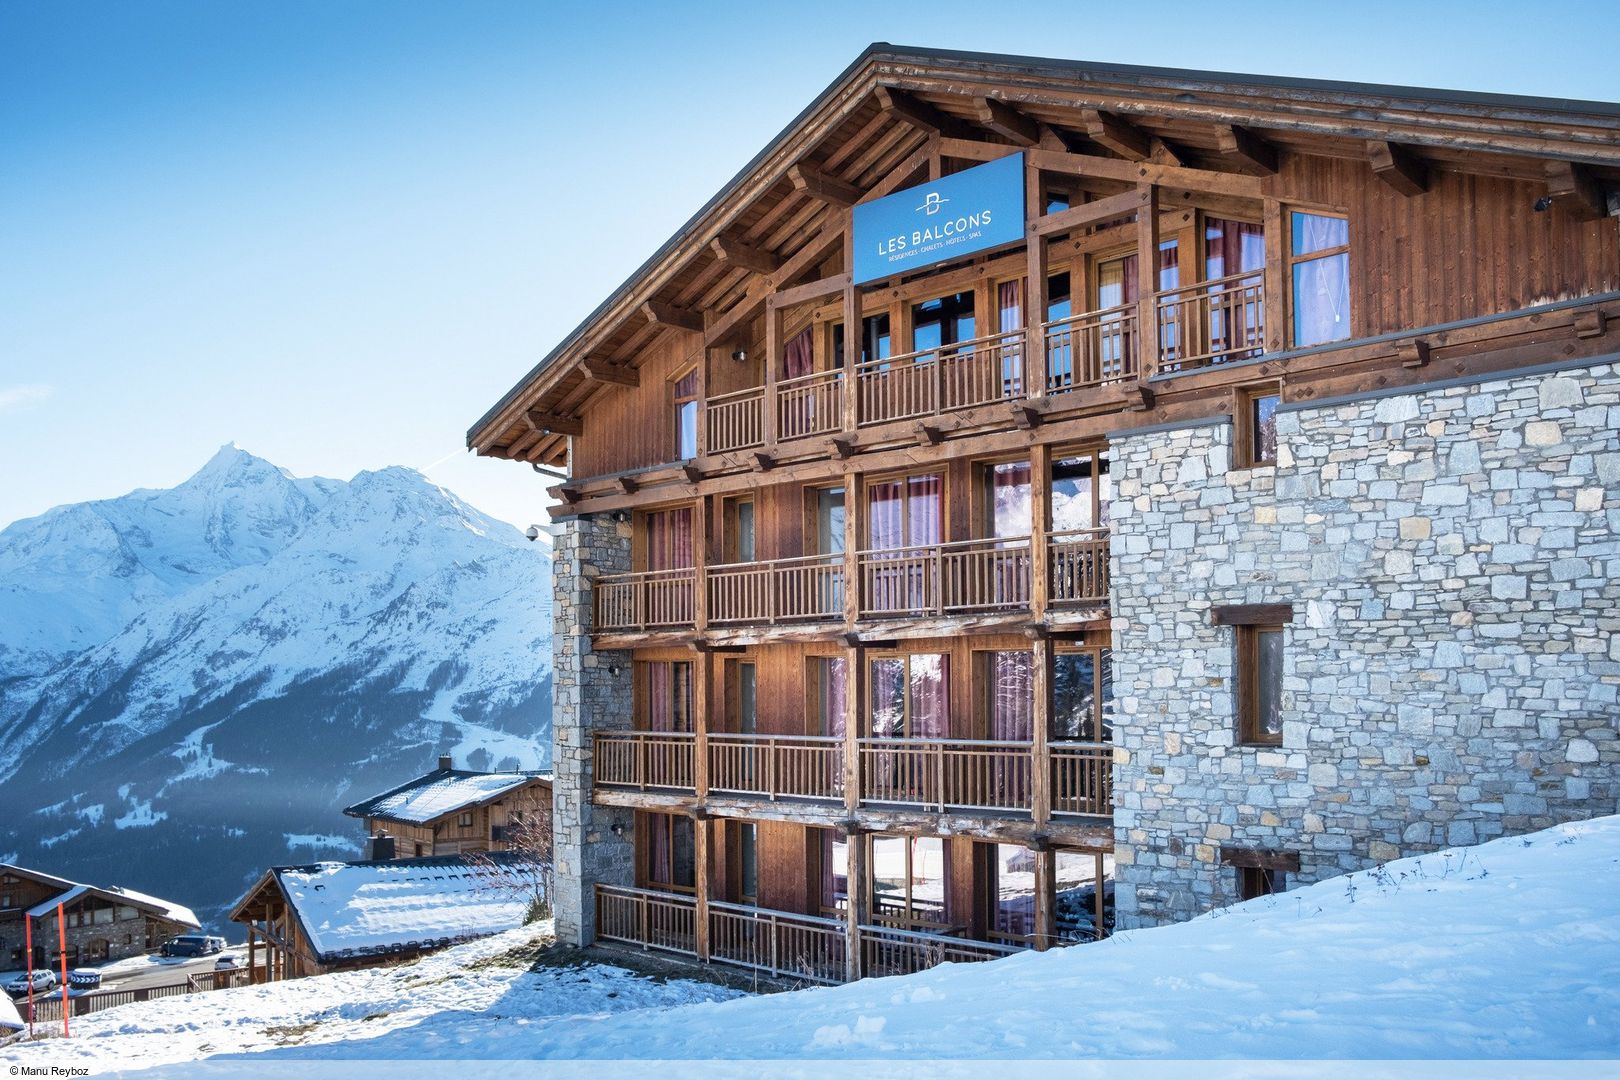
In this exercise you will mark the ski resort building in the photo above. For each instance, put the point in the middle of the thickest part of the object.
(1036, 497)
(99, 924)
(450, 811)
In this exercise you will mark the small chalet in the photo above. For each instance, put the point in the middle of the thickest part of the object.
(337, 916)
(450, 811)
(102, 923)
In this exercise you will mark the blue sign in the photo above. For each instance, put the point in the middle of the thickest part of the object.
(950, 218)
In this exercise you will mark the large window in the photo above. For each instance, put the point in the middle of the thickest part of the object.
(876, 343)
(1010, 888)
(748, 860)
(666, 694)
(739, 530)
(1319, 277)
(910, 696)
(942, 321)
(905, 512)
(827, 690)
(1006, 498)
(911, 882)
(1082, 695)
(671, 852)
(1079, 875)
(685, 394)
(1009, 688)
(667, 539)
(1081, 491)
(742, 694)
(834, 870)
(1259, 684)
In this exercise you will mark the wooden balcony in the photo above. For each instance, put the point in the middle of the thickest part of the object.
(782, 944)
(805, 589)
(993, 777)
(1213, 322)
(945, 579)
(777, 766)
(735, 421)
(1077, 565)
(810, 405)
(652, 600)
(646, 760)
(933, 381)
(1092, 349)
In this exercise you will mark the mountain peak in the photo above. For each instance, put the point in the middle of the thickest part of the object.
(231, 461)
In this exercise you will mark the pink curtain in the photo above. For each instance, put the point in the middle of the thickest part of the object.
(888, 697)
(660, 861)
(1233, 247)
(669, 696)
(923, 504)
(800, 355)
(1012, 696)
(669, 539)
(687, 385)
(834, 676)
(1010, 302)
(930, 714)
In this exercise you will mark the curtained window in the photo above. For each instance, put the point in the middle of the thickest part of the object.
(800, 354)
(671, 852)
(668, 685)
(686, 415)
(669, 538)
(1082, 696)
(911, 882)
(1008, 499)
(910, 696)
(904, 512)
(1010, 684)
(1010, 306)
(1319, 272)
(834, 871)
(830, 681)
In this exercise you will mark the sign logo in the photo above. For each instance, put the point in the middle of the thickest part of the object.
(951, 218)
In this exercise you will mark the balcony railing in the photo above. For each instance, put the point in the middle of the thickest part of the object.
(777, 766)
(944, 579)
(736, 421)
(809, 588)
(651, 600)
(947, 774)
(1091, 349)
(778, 942)
(651, 919)
(810, 405)
(1078, 566)
(931, 381)
(1082, 778)
(645, 760)
(1212, 322)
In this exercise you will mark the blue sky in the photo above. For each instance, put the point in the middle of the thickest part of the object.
(336, 232)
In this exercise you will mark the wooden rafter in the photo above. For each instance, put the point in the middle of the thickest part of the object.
(747, 256)
(662, 314)
(1249, 152)
(599, 370)
(1575, 190)
(1118, 134)
(1006, 121)
(553, 423)
(921, 115)
(1398, 167)
(823, 188)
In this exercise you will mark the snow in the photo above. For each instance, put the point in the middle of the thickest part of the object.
(140, 816)
(435, 795)
(1510, 950)
(176, 912)
(48, 907)
(10, 1021)
(355, 906)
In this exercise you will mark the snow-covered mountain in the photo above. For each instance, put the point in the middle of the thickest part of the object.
(193, 681)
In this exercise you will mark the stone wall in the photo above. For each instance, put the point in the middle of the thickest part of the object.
(588, 697)
(1452, 669)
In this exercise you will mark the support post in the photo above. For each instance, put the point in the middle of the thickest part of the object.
(856, 887)
(854, 693)
(1045, 898)
(1275, 308)
(773, 360)
(1041, 721)
(1040, 528)
(702, 679)
(700, 568)
(700, 916)
(1034, 290)
(1147, 282)
(852, 532)
(1098, 879)
(853, 337)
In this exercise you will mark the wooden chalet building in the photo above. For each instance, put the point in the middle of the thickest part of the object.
(450, 811)
(1035, 496)
(101, 924)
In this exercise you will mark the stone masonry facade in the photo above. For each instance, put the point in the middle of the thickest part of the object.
(1452, 669)
(592, 693)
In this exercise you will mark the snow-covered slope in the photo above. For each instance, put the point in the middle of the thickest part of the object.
(1509, 950)
(226, 663)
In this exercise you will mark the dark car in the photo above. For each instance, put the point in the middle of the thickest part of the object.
(190, 945)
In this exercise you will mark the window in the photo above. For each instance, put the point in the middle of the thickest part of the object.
(1010, 888)
(1009, 688)
(1257, 668)
(834, 871)
(748, 858)
(904, 512)
(827, 688)
(666, 539)
(1078, 874)
(1256, 881)
(875, 340)
(1008, 511)
(671, 852)
(829, 521)
(909, 698)
(465, 821)
(685, 392)
(1082, 696)
(742, 701)
(1256, 427)
(1319, 277)
(739, 531)
(419, 851)
(665, 689)
(942, 321)
(911, 882)
(1081, 492)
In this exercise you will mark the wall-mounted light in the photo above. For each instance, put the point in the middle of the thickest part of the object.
(617, 829)
(613, 670)
(740, 355)
(621, 516)
(1543, 203)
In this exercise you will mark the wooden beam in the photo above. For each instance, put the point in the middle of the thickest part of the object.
(1131, 172)
(628, 484)
(1248, 151)
(1251, 615)
(1398, 167)
(1090, 213)
(840, 448)
(739, 253)
(763, 461)
(816, 184)
(930, 435)
(1576, 190)
(810, 290)
(1166, 153)
(921, 115)
(1118, 134)
(1414, 353)
(1257, 859)
(804, 259)
(1006, 121)
(1589, 324)
(662, 314)
(692, 473)
(554, 423)
(599, 370)
(1026, 416)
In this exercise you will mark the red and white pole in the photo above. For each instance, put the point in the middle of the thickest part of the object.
(28, 933)
(61, 943)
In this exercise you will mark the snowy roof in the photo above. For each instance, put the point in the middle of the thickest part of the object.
(364, 906)
(72, 890)
(9, 1018)
(441, 792)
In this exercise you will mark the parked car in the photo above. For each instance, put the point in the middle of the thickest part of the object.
(42, 981)
(217, 944)
(191, 945)
(225, 963)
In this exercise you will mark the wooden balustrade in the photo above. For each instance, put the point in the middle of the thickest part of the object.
(645, 917)
(1091, 349)
(776, 766)
(931, 381)
(1211, 322)
(947, 774)
(653, 599)
(777, 942)
(808, 588)
(941, 579)
(1077, 561)
(888, 950)
(645, 760)
(1082, 778)
(735, 421)
(810, 405)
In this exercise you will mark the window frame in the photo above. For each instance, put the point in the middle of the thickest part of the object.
(1291, 260)
(876, 657)
(1246, 431)
(678, 402)
(1248, 622)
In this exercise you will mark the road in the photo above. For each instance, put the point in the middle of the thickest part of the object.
(160, 971)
